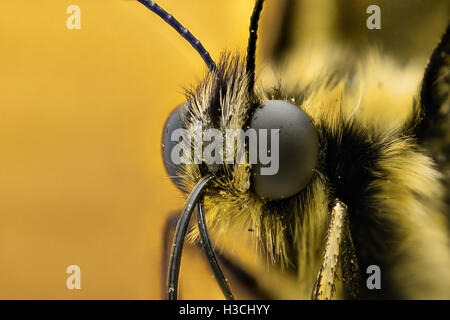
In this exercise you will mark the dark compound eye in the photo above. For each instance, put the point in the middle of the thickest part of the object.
(173, 122)
(298, 149)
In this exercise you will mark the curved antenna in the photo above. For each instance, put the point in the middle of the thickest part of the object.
(185, 33)
(210, 255)
(180, 234)
(251, 47)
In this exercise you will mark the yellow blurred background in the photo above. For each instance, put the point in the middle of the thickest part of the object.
(81, 116)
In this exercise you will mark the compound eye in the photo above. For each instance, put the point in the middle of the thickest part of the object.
(173, 122)
(298, 148)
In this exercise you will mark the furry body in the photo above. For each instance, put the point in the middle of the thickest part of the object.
(369, 159)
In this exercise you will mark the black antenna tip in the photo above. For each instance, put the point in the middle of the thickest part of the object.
(251, 47)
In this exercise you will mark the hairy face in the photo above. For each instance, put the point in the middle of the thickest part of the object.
(344, 182)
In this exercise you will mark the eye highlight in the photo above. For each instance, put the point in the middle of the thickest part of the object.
(298, 149)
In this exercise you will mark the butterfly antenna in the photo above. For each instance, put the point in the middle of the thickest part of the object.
(180, 234)
(251, 47)
(185, 33)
